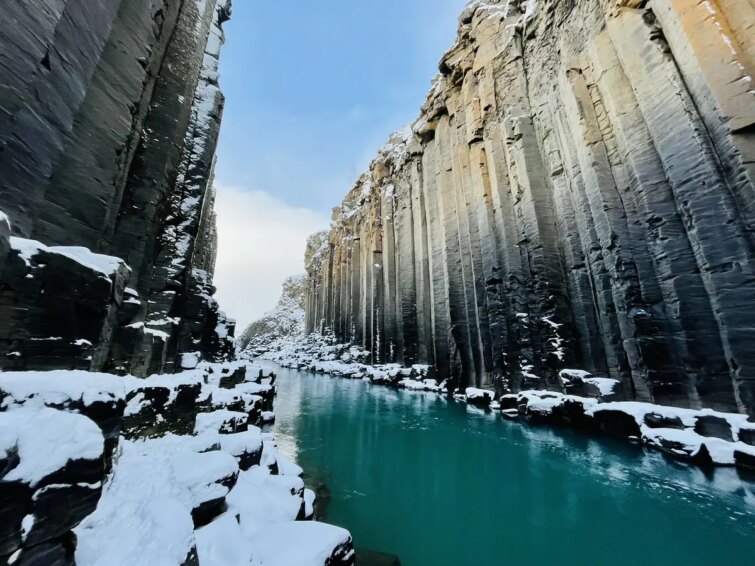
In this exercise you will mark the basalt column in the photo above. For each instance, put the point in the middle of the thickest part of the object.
(108, 127)
(577, 192)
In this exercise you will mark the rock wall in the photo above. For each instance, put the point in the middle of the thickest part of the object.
(577, 192)
(108, 126)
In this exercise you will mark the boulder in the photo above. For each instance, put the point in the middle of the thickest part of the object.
(617, 423)
(655, 420)
(715, 427)
(223, 422)
(747, 435)
(315, 543)
(58, 552)
(479, 397)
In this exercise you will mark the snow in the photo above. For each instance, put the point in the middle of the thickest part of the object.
(240, 443)
(605, 385)
(146, 505)
(416, 385)
(226, 397)
(103, 264)
(221, 543)
(309, 502)
(214, 421)
(688, 416)
(127, 530)
(47, 440)
(199, 472)
(287, 468)
(721, 451)
(190, 360)
(60, 387)
(475, 393)
(314, 543)
(260, 499)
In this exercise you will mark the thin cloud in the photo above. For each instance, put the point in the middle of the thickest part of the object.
(261, 242)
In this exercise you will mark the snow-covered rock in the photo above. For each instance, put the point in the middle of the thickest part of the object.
(51, 474)
(178, 460)
(479, 397)
(316, 544)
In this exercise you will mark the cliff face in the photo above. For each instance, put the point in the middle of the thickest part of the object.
(285, 320)
(577, 192)
(108, 126)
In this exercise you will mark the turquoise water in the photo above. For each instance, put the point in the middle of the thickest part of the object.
(439, 483)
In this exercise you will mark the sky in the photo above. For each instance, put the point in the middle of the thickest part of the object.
(313, 89)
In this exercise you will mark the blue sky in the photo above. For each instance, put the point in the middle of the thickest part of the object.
(313, 89)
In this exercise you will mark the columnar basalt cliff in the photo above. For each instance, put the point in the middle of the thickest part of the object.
(578, 191)
(108, 126)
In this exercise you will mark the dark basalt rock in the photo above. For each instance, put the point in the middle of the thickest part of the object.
(744, 460)
(510, 401)
(108, 144)
(617, 423)
(58, 552)
(747, 435)
(343, 555)
(15, 504)
(57, 509)
(679, 451)
(205, 513)
(659, 421)
(76, 472)
(483, 401)
(714, 427)
(247, 460)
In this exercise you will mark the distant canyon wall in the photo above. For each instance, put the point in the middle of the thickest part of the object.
(576, 193)
(109, 118)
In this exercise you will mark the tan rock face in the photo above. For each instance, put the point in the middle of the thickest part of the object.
(576, 192)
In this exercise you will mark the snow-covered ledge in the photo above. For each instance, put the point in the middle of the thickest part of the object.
(704, 437)
(166, 471)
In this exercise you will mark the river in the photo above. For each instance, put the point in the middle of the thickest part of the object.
(438, 483)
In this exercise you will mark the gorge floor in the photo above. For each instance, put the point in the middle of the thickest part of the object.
(443, 483)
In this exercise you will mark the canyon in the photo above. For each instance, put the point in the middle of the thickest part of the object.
(577, 192)
(563, 237)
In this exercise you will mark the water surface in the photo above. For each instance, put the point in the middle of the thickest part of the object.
(437, 483)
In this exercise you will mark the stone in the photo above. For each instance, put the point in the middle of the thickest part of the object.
(747, 435)
(654, 420)
(712, 426)
(59, 552)
(617, 423)
(745, 460)
(57, 509)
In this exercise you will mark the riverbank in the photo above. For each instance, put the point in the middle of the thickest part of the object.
(705, 438)
(167, 470)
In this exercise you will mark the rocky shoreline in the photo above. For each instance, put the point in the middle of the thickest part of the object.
(104, 469)
(704, 437)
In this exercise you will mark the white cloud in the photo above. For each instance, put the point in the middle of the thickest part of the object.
(261, 242)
